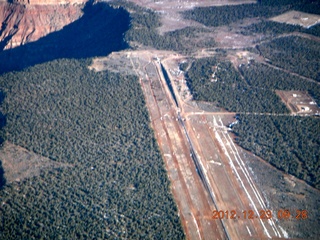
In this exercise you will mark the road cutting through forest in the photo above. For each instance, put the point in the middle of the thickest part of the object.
(208, 174)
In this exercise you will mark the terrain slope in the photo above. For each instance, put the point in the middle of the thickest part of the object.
(23, 23)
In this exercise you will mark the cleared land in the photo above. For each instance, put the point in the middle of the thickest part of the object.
(224, 171)
(299, 102)
(305, 20)
(194, 204)
(206, 168)
(19, 163)
(170, 10)
(208, 171)
(227, 182)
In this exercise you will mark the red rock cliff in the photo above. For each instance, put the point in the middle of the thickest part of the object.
(22, 23)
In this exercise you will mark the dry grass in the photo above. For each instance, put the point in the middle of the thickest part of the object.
(305, 20)
(170, 10)
(19, 163)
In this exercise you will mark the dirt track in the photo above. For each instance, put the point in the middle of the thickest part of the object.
(194, 205)
(206, 169)
(170, 10)
(225, 176)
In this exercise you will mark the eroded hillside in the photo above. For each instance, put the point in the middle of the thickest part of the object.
(97, 32)
(23, 23)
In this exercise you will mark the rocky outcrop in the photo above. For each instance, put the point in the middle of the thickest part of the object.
(23, 23)
(98, 32)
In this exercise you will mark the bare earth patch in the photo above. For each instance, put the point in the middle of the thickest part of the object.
(305, 20)
(284, 191)
(236, 178)
(299, 102)
(19, 163)
(115, 62)
(170, 10)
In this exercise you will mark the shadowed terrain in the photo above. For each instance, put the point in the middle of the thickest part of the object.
(2, 124)
(97, 33)
(2, 178)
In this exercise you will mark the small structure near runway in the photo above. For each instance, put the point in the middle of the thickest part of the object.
(299, 102)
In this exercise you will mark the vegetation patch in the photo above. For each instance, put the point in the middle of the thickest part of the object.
(290, 143)
(304, 12)
(265, 77)
(213, 80)
(269, 28)
(296, 54)
(225, 15)
(98, 122)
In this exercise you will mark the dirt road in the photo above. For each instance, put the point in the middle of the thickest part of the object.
(220, 182)
(215, 193)
(195, 208)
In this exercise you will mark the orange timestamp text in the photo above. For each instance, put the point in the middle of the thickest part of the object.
(262, 214)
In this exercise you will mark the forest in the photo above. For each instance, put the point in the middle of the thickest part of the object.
(265, 77)
(296, 54)
(214, 80)
(97, 122)
(291, 144)
(2, 139)
(225, 15)
(272, 29)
